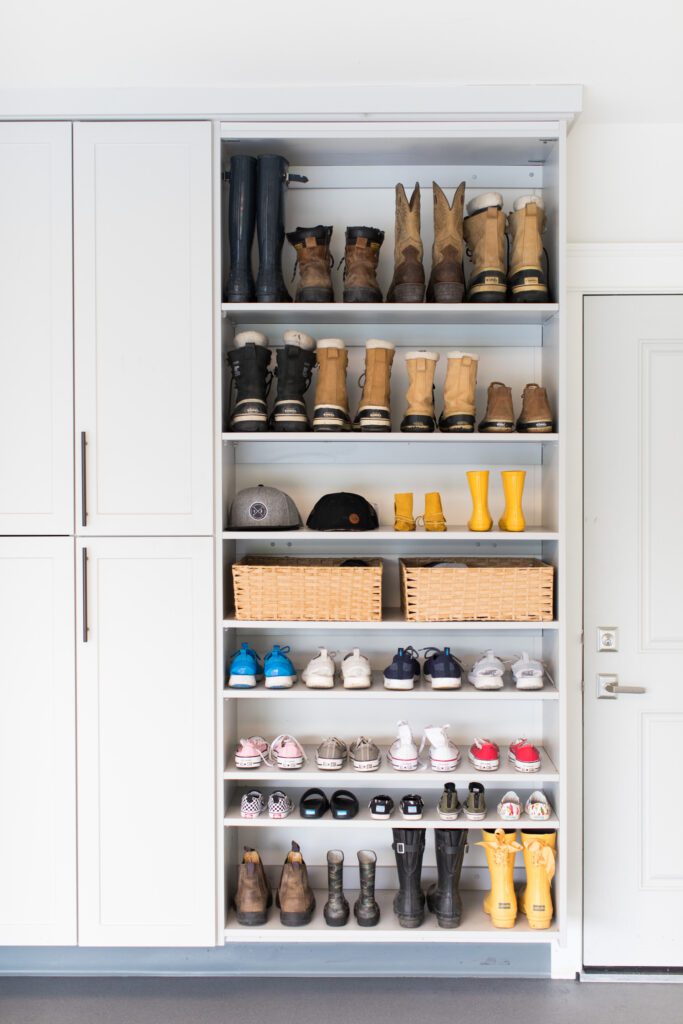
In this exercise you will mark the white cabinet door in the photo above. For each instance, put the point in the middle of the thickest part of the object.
(37, 742)
(146, 778)
(36, 330)
(143, 328)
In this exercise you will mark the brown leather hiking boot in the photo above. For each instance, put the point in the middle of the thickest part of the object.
(485, 236)
(408, 282)
(527, 279)
(419, 416)
(374, 409)
(459, 393)
(361, 257)
(499, 417)
(536, 417)
(253, 896)
(331, 411)
(294, 895)
(447, 279)
(312, 247)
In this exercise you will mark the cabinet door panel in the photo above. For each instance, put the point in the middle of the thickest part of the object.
(143, 294)
(37, 742)
(145, 743)
(36, 330)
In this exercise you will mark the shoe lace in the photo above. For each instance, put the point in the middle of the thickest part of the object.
(285, 737)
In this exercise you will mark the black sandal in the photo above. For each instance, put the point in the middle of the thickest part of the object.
(313, 804)
(344, 804)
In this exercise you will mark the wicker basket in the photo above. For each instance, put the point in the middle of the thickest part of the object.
(487, 590)
(319, 589)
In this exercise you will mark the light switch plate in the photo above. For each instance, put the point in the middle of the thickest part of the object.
(608, 638)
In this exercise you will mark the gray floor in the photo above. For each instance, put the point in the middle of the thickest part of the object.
(334, 1001)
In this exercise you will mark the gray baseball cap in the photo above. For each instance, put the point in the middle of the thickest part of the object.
(263, 508)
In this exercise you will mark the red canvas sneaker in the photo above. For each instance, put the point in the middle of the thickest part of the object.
(484, 755)
(524, 756)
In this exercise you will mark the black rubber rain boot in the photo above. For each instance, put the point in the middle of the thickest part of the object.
(409, 901)
(443, 897)
(241, 209)
(270, 227)
(249, 364)
(295, 362)
(366, 909)
(336, 911)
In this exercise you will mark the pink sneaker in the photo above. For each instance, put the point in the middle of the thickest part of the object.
(251, 752)
(287, 752)
(524, 756)
(484, 755)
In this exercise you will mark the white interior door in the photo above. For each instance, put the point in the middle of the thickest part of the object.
(37, 742)
(633, 870)
(143, 318)
(36, 330)
(146, 779)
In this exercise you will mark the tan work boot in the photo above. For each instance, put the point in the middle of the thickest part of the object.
(294, 894)
(499, 417)
(527, 279)
(485, 236)
(374, 410)
(361, 257)
(536, 417)
(447, 279)
(419, 416)
(312, 247)
(459, 393)
(408, 282)
(331, 410)
(253, 896)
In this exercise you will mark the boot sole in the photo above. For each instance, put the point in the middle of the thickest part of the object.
(496, 427)
(410, 922)
(296, 918)
(248, 425)
(540, 427)
(488, 296)
(312, 294)
(445, 292)
(528, 286)
(336, 922)
(251, 918)
(407, 293)
(362, 295)
(459, 424)
(418, 424)
(366, 922)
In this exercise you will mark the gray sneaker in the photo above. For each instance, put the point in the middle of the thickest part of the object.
(475, 805)
(331, 754)
(365, 755)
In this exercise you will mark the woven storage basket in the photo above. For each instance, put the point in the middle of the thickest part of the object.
(487, 590)
(307, 589)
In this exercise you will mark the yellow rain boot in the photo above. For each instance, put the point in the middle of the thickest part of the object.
(403, 512)
(512, 519)
(501, 847)
(434, 519)
(535, 899)
(480, 520)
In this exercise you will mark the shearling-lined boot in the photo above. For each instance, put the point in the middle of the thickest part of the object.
(419, 416)
(249, 364)
(408, 282)
(447, 279)
(459, 393)
(485, 236)
(331, 399)
(374, 410)
(527, 279)
(312, 247)
(295, 362)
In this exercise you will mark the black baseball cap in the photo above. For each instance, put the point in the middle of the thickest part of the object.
(342, 511)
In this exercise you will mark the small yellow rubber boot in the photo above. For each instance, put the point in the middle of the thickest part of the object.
(512, 519)
(403, 512)
(434, 518)
(535, 899)
(480, 520)
(501, 847)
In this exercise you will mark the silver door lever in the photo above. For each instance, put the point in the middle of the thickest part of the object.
(608, 686)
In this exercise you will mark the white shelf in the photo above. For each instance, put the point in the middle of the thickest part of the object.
(387, 533)
(475, 926)
(393, 437)
(392, 620)
(423, 313)
(422, 691)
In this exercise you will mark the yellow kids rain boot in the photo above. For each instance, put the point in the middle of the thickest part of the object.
(480, 520)
(512, 519)
(535, 899)
(403, 512)
(501, 847)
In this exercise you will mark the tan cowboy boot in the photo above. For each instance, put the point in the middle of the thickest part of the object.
(447, 279)
(527, 279)
(419, 416)
(312, 247)
(408, 282)
(459, 393)
(485, 236)
(374, 410)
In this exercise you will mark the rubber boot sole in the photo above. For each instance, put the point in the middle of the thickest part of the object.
(366, 922)
(251, 918)
(315, 294)
(336, 922)
(362, 295)
(407, 293)
(528, 286)
(296, 918)
(417, 424)
(443, 920)
(445, 292)
(458, 423)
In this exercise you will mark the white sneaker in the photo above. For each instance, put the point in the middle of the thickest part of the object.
(487, 672)
(356, 671)
(444, 756)
(537, 806)
(403, 751)
(319, 673)
(528, 673)
(509, 807)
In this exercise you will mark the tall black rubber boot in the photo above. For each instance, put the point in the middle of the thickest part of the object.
(270, 227)
(295, 362)
(249, 364)
(409, 901)
(238, 282)
(336, 911)
(443, 896)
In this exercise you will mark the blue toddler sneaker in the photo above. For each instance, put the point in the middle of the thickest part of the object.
(280, 673)
(245, 668)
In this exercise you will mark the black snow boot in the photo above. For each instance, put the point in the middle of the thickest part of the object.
(409, 901)
(443, 896)
(272, 179)
(295, 362)
(336, 911)
(249, 364)
(238, 286)
(366, 908)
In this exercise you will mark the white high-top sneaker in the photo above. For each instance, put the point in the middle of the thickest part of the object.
(444, 756)
(403, 751)
(319, 673)
(356, 671)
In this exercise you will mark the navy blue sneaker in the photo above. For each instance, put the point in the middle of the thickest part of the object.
(442, 669)
(404, 670)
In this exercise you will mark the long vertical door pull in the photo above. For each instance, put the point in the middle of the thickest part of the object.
(84, 500)
(84, 568)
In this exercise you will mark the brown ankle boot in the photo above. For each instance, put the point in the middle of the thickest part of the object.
(499, 417)
(361, 257)
(527, 280)
(447, 279)
(419, 416)
(459, 393)
(253, 896)
(536, 417)
(408, 282)
(485, 236)
(294, 894)
(331, 410)
(312, 247)
(374, 410)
